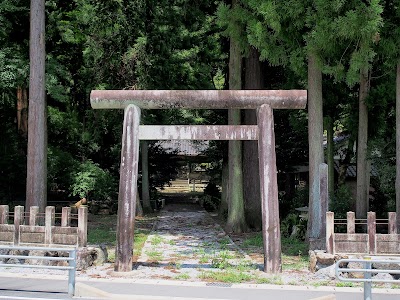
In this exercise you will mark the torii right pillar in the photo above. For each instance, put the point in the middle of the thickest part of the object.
(269, 190)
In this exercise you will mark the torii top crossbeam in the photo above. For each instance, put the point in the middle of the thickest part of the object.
(200, 99)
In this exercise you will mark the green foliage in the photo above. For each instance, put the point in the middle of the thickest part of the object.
(341, 202)
(92, 182)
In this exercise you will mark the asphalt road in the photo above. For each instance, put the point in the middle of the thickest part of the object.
(33, 288)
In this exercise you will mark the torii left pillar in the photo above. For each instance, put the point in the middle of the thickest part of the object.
(127, 189)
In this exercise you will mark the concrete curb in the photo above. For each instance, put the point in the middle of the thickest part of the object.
(84, 290)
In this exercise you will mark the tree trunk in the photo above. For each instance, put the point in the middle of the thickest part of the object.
(22, 112)
(362, 163)
(316, 153)
(139, 208)
(223, 208)
(330, 156)
(36, 184)
(236, 219)
(251, 172)
(145, 178)
(398, 146)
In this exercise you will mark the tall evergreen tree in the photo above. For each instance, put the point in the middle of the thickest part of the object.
(36, 186)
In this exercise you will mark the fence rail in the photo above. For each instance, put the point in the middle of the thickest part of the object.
(367, 272)
(368, 242)
(26, 230)
(71, 259)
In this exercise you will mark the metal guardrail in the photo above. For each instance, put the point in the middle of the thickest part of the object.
(367, 272)
(71, 261)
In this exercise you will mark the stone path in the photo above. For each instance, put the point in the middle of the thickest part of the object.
(186, 243)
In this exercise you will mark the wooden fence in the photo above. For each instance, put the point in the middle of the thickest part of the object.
(26, 231)
(367, 242)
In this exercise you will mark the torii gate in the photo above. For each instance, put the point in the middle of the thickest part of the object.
(262, 100)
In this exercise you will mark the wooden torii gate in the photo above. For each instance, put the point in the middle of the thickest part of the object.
(262, 100)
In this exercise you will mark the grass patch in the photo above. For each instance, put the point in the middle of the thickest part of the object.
(277, 280)
(154, 255)
(229, 276)
(183, 276)
(294, 247)
(255, 241)
(157, 240)
(139, 240)
(345, 284)
(102, 236)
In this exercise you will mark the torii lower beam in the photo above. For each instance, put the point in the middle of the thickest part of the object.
(263, 100)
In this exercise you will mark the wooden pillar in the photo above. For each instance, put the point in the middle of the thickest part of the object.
(33, 215)
(82, 226)
(351, 222)
(392, 223)
(4, 213)
(18, 220)
(127, 189)
(330, 232)
(371, 223)
(269, 190)
(49, 223)
(66, 217)
(324, 193)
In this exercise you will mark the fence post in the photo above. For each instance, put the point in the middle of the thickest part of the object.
(371, 223)
(351, 222)
(33, 215)
(49, 223)
(4, 212)
(392, 223)
(18, 219)
(330, 232)
(82, 226)
(66, 217)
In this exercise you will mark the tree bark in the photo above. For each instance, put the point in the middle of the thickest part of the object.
(22, 112)
(316, 153)
(362, 145)
(236, 218)
(251, 172)
(145, 178)
(36, 185)
(398, 146)
(330, 155)
(223, 208)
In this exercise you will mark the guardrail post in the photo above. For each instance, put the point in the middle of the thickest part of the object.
(367, 284)
(4, 213)
(371, 223)
(33, 215)
(72, 273)
(49, 223)
(66, 217)
(351, 222)
(330, 232)
(82, 226)
(18, 219)
(392, 223)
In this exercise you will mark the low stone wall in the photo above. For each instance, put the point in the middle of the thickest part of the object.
(369, 242)
(26, 231)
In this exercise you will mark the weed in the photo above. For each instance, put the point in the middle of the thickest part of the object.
(270, 280)
(230, 275)
(344, 284)
(183, 276)
(154, 255)
(255, 241)
(157, 240)
(222, 260)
